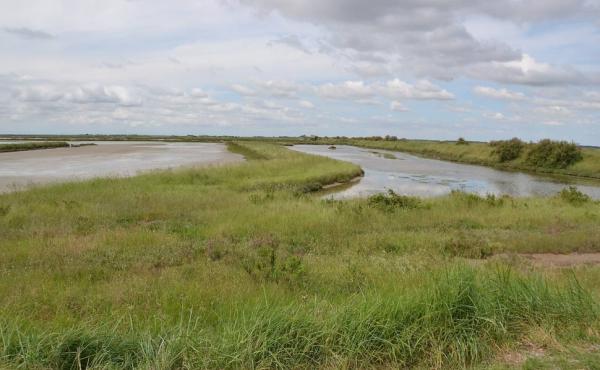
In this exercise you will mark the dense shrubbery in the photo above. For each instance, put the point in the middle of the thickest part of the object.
(574, 196)
(545, 154)
(462, 141)
(508, 150)
(553, 154)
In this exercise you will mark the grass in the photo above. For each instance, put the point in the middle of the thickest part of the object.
(17, 147)
(239, 266)
(481, 154)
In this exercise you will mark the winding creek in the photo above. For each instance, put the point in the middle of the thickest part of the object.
(19, 170)
(411, 175)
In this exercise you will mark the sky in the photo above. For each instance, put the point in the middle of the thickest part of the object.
(437, 69)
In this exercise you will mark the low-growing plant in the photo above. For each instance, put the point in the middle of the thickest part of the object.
(507, 150)
(216, 249)
(392, 201)
(495, 201)
(262, 197)
(4, 210)
(573, 196)
(467, 246)
(470, 199)
(265, 260)
(553, 154)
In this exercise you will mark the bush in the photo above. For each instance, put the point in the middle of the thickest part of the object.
(507, 150)
(573, 196)
(467, 246)
(265, 261)
(462, 141)
(391, 201)
(554, 154)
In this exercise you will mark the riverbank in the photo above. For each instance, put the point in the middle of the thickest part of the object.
(482, 154)
(18, 147)
(478, 153)
(238, 266)
(424, 177)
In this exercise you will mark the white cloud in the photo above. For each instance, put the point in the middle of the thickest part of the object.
(393, 89)
(495, 115)
(281, 89)
(347, 90)
(94, 93)
(38, 93)
(528, 71)
(243, 90)
(259, 65)
(553, 110)
(502, 94)
(306, 104)
(423, 89)
(397, 106)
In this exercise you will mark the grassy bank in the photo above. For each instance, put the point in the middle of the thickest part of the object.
(481, 154)
(241, 267)
(18, 147)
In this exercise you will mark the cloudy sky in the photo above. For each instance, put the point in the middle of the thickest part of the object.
(412, 68)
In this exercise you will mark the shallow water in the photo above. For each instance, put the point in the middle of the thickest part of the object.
(411, 175)
(22, 169)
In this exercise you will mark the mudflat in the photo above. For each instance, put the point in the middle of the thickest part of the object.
(19, 170)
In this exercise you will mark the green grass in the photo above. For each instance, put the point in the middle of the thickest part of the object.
(481, 154)
(239, 266)
(17, 147)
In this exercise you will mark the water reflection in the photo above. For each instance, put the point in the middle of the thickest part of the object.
(411, 175)
(126, 158)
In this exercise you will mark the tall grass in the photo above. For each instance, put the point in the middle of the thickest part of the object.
(239, 266)
(455, 317)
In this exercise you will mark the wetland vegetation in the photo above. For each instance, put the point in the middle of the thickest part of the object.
(545, 156)
(17, 147)
(240, 266)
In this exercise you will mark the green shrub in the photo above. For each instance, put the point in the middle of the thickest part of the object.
(467, 246)
(573, 196)
(470, 199)
(554, 154)
(494, 201)
(4, 210)
(82, 351)
(507, 150)
(462, 141)
(266, 261)
(391, 201)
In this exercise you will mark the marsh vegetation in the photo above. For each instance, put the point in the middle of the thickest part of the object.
(545, 156)
(240, 266)
(17, 147)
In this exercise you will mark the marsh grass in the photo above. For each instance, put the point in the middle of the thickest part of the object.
(239, 267)
(545, 157)
(455, 317)
(17, 147)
